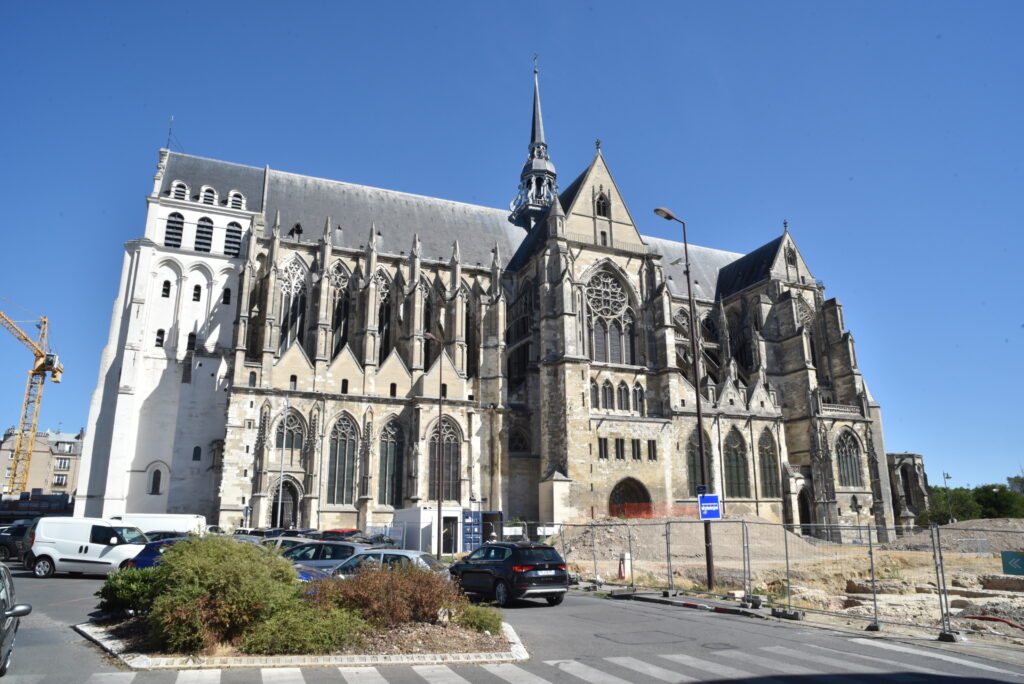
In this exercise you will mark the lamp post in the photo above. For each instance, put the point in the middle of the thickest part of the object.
(708, 549)
(946, 477)
(280, 482)
(440, 452)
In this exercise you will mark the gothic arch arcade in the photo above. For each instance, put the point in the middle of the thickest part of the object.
(629, 499)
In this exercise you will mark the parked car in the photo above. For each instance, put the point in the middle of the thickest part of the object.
(379, 540)
(322, 554)
(92, 545)
(10, 548)
(510, 570)
(283, 543)
(389, 558)
(151, 552)
(342, 533)
(12, 612)
(215, 529)
(160, 535)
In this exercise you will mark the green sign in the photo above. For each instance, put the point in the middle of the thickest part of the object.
(1013, 563)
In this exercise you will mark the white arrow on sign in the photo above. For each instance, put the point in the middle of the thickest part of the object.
(1015, 563)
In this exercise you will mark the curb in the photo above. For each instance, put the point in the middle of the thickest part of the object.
(140, 661)
(725, 610)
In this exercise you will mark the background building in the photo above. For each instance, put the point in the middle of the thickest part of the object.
(55, 461)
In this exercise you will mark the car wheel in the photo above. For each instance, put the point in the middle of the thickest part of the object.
(501, 595)
(43, 567)
(124, 565)
(555, 600)
(5, 553)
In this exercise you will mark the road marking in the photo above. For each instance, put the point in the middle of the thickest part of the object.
(719, 669)
(438, 674)
(823, 660)
(514, 674)
(585, 672)
(939, 656)
(786, 667)
(362, 675)
(282, 675)
(891, 663)
(649, 670)
(24, 678)
(110, 678)
(198, 677)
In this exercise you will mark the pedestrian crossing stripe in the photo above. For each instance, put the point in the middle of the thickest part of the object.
(940, 656)
(649, 670)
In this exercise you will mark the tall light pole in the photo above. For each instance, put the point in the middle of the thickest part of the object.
(946, 477)
(708, 549)
(283, 427)
(440, 452)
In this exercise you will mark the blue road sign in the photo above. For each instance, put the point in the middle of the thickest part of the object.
(1013, 563)
(710, 507)
(702, 490)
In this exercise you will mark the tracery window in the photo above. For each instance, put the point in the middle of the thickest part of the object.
(737, 481)
(639, 400)
(769, 465)
(173, 231)
(848, 452)
(392, 449)
(341, 463)
(289, 439)
(612, 324)
(623, 397)
(383, 315)
(519, 442)
(293, 303)
(602, 207)
(694, 473)
(607, 395)
(338, 276)
(448, 435)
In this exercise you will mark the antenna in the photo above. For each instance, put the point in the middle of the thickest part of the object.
(170, 131)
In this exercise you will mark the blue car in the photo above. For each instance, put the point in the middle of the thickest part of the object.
(151, 552)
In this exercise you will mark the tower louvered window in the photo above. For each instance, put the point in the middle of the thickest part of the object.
(180, 191)
(204, 235)
(233, 240)
(174, 229)
(209, 196)
(341, 465)
(237, 201)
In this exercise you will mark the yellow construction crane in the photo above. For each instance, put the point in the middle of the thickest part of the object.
(45, 362)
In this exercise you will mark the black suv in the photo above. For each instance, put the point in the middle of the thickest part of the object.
(511, 570)
(9, 542)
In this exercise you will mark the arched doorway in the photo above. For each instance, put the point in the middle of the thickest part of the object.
(288, 515)
(629, 499)
(804, 504)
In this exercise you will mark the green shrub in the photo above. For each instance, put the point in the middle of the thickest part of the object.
(302, 628)
(388, 597)
(129, 589)
(209, 590)
(480, 618)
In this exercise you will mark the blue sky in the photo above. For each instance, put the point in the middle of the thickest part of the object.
(888, 134)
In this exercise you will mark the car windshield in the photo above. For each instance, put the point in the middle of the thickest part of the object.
(540, 555)
(131, 535)
(301, 553)
(431, 562)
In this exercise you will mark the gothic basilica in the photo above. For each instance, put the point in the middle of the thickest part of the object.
(312, 352)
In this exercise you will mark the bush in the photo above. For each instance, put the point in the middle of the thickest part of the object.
(480, 618)
(129, 589)
(303, 628)
(210, 589)
(389, 597)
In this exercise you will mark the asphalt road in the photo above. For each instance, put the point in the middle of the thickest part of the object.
(586, 639)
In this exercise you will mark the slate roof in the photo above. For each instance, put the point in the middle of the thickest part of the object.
(748, 270)
(221, 176)
(705, 262)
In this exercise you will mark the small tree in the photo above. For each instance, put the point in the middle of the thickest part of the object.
(999, 501)
(963, 505)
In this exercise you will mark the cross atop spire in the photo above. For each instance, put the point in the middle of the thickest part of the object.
(537, 186)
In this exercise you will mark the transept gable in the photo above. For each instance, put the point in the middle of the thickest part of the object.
(788, 264)
(428, 383)
(345, 366)
(294, 359)
(596, 212)
(394, 370)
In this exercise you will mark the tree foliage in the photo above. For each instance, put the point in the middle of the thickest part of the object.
(984, 501)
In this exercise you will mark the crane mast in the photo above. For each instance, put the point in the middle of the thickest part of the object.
(45, 362)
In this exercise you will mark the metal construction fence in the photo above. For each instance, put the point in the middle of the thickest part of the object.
(936, 578)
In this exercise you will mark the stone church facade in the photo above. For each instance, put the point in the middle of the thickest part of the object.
(279, 344)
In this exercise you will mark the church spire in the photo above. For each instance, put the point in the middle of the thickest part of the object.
(537, 188)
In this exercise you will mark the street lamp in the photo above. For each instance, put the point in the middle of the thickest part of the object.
(708, 549)
(440, 451)
(946, 477)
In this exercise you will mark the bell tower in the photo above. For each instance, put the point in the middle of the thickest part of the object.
(537, 187)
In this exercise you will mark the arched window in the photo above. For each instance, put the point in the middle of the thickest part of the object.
(160, 338)
(392, 450)
(607, 395)
(289, 439)
(393, 390)
(197, 453)
(190, 344)
(179, 191)
(204, 234)
(237, 201)
(639, 400)
(252, 378)
(694, 473)
(472, 345)
(341, 466)
(737, 482)
(629, 339)
(293, 382)
(197, 293)
(623, 397)
(165, 290)
(615, 342)
(209, 196)
(174, 229)
(769, 466)
(293, 304)
(600, 341)
(519, 442)
(383, 316)
(450, 453)
(595, 396)
(338, 277)
(602, 207)
(344, 386)
(226, 297)
(610, 320)
(848, 452)
(154, 482)
(233, 240)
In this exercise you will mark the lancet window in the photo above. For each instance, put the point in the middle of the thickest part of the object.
(848, 453)
(639, 400)
(289, 439)
(384, 331)
(341, 463)
(694, 473)
(607, 395)
(293, 304)
(448, 435)
(595, 396)
(737, 481)
(339, 278)
(392, 450)
(769, 465)
(623, 393)
(612, 323)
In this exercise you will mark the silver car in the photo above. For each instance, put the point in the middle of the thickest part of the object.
(283, 543)
(322, 554)
(389, 558)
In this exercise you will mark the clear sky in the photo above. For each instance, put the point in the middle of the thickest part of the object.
(888, 134)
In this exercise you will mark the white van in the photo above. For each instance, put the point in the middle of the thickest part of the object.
(92, 545)
(164, 522)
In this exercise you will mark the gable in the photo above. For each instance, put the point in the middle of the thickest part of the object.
(582, 201)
